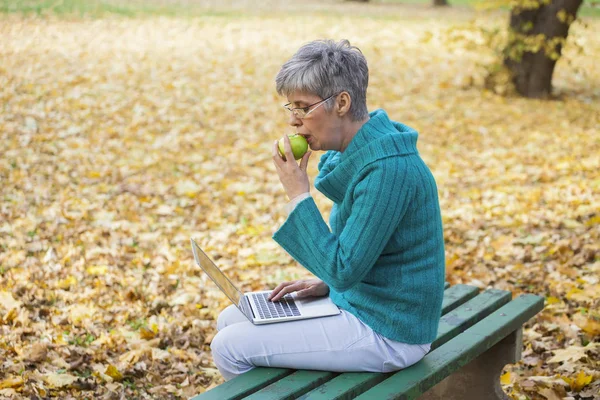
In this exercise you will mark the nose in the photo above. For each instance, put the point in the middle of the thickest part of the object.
(294, 121)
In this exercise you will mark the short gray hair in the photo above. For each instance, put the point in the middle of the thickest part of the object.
(325, 68)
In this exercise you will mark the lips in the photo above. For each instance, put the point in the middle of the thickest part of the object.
(307, 137)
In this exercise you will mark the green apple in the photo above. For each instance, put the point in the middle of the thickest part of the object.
(299, 146)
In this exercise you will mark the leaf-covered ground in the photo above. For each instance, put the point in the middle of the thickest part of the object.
(121, 138)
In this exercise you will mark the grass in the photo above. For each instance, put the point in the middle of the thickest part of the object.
(99, 8)
(183, 8)
(60, 7)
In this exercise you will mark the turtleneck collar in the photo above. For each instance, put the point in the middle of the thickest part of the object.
(378, 138)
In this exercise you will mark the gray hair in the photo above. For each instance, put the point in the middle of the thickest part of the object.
(325, 68)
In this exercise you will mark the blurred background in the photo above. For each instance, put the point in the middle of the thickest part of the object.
(127, 127)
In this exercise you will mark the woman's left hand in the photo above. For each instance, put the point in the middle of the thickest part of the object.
(293, 176)
(303, 288)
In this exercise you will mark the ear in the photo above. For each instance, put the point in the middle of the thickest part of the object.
(342, 104)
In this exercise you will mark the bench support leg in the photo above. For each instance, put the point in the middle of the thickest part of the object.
(480, 379)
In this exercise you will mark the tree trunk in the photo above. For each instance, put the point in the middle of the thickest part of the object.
(531, 66)
(440, 3)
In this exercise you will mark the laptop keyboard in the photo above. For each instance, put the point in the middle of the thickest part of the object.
(285, 307)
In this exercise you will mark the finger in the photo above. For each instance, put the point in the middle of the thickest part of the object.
(279, 287)
(285, 290)
(276, 154)
(304, 161)
(282, 292)
(276, 290)
(287, 146)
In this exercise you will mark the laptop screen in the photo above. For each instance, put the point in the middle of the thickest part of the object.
(216, 275)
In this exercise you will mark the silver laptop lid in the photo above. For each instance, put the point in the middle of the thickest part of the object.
(218, 277)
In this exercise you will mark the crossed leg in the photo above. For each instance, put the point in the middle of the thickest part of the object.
(340, 343)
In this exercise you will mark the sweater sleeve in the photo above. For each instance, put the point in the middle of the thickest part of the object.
(380, 200)
(293, 203)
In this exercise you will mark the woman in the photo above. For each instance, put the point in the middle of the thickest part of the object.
(381, 260)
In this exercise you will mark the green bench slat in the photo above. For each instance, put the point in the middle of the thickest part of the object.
(293, 385)
(461, 309)
(350, 384)
(245, 384)
(469, 313)
(345, 386)
(450, 357)
(457, 295)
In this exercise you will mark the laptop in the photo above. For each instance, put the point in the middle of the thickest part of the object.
(256, 306)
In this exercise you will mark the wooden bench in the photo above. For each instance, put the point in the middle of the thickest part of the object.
(479, 333)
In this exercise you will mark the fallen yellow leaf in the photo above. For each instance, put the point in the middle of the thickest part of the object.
(67, 282)
(12, 382)
(552, 300)
(97, 270)
(59, 380)
(113, 372)
(8, 302)
(505, 378)
(571, 353)
(588, 323)
(80, 312)
(579, 382)
(578, 295)
(146, 333)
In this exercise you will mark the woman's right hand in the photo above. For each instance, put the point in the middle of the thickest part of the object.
(303, 288)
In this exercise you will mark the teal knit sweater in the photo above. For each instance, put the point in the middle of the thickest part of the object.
(383, 258)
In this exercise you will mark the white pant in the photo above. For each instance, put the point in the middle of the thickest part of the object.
(340, 343)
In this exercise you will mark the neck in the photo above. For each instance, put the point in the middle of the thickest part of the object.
(349, 131)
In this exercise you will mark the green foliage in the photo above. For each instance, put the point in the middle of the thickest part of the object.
(518, 44)
(136, 324)
(77, 7)
(522, 5)
(102, 8)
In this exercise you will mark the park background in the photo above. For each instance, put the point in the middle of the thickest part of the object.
(127, 127)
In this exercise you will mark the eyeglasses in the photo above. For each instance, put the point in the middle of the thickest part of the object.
(302, 112)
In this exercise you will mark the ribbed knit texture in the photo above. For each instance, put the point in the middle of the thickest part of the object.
(383, 258)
